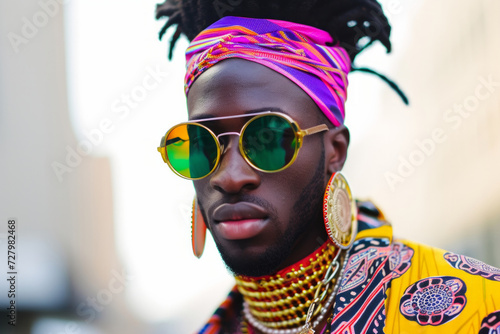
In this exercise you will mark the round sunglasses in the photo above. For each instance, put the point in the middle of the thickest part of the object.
(269, 142)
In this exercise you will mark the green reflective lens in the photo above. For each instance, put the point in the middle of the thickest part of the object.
(191, 150)
(269, 142)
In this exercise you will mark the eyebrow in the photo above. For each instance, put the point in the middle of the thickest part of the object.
(248, 113)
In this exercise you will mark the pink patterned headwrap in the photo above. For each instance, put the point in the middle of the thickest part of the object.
(297, 51)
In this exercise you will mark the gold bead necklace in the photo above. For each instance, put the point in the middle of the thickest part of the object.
(295, 295)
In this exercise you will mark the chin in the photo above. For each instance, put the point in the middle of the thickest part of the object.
(244, 261)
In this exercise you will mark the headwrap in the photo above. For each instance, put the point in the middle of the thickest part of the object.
(306, 55)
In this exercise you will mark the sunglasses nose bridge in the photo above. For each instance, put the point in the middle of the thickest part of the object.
(221, 145)
(227, 134)
(233, 171)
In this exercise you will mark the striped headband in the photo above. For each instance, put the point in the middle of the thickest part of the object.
(297, 51)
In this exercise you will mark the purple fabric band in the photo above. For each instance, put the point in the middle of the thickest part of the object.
(297, 51)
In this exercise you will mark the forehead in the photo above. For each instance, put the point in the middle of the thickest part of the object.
(236, 86)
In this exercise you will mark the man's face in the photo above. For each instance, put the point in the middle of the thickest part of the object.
(261, 222)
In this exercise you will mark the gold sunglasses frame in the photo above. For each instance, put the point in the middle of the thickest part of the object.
(299, 136)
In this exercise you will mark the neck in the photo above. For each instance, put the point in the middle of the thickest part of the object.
(281, 301)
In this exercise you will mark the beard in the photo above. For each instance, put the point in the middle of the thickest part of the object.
(306, 211)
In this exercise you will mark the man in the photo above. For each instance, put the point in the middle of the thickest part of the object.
(264, 146)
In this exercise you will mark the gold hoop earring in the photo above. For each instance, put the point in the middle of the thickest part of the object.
(339, 212)
(198, 230)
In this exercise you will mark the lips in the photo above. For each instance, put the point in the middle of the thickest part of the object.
(239, 221)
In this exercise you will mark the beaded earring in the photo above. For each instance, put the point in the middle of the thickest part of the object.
(339, 212)
(198, 230)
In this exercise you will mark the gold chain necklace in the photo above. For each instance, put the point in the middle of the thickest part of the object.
(244, 327)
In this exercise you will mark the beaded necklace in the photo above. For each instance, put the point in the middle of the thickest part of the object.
(282, 303)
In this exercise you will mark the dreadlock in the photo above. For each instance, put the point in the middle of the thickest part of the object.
(355, 24)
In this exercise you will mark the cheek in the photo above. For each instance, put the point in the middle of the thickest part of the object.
(202, 194)
(202, 188)
(285, 188)
(307, 162)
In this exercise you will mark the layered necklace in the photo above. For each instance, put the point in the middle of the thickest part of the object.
(297, 298)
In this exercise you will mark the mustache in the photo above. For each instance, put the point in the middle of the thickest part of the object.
(240, 198)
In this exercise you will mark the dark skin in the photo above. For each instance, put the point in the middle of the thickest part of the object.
(292, 199)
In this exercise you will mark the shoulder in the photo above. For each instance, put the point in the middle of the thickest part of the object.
(418, 288)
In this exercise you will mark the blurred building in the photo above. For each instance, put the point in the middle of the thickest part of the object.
(68, 275)
(434, 167)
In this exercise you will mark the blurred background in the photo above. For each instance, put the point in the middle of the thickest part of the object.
(103, 239)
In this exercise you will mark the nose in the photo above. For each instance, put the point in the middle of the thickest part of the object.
(234, 174)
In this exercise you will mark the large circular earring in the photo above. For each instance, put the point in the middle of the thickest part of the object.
(339, 212)
(198, 230)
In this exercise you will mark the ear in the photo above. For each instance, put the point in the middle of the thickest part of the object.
(336, 143)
